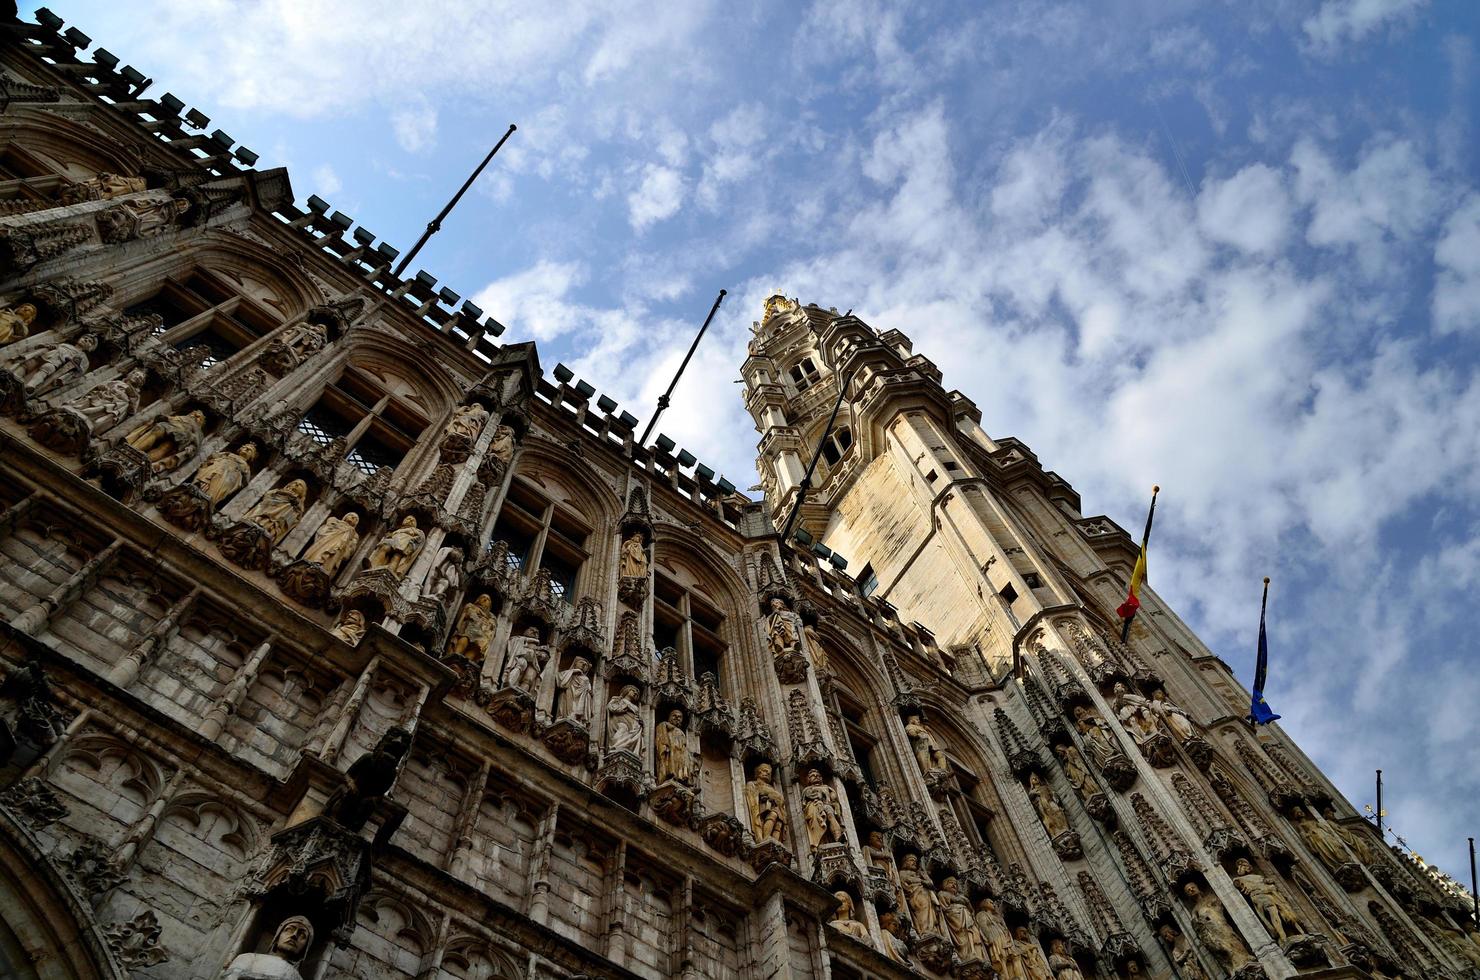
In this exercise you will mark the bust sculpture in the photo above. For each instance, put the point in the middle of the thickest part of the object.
(290, 944)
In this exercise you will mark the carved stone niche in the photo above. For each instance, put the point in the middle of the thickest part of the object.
(318, 869)
(833, 866)
(623, 778)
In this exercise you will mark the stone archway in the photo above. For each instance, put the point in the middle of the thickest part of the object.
(47, 930)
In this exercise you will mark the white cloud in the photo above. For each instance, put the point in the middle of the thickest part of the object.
(538, 299)
(1457, 254)
(1250, 210)
(1341, 21)
(657, 198)
(415, 126)
(326, 181)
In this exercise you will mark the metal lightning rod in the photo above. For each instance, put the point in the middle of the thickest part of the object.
(435, 225)
(663, 399)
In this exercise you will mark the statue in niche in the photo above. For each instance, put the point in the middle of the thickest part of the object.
(526, 662)
(473, 632)
(1075, 771)
(920, 897)
(1323, 842)
(820, 810)
(397, 550)
(56, 365)
(140, 219)
(446, 574)
(894, 947)
(1355, 839)
(15, 322)
(1029, 955)
(1097, 735)
(1134, 712)
(574, 684)
(634, 558)
(334, 541)
(955, 909)
(998, 940)
(295, 345)
(1211, 923)
(672, 742)
(1061, 963)
(291, 942)
(279, 510)
(101, 187)
(624, 722)
(1055, 820)
(370, 778)
(502, 446)
(766, 805)
(843, 920)
(927, 750)
(781, 629)
(1184, 957)
(104, 406)
(1173, 717)
(225, 472)
(169, 440)
(351, 627)
(1266, 898)
(467, 422)
(814, 645)
(876, 855)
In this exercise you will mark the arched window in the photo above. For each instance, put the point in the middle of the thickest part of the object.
(685, 619)
(838, 443)
(379, 428)
(544, 533)
(804, 374)
(203, 309)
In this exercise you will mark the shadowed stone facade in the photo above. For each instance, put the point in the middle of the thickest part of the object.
(338, 640)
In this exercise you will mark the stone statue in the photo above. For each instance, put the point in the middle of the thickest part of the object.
(225, 472)
(1055, 821)
(955, 909)
(109, 403)
(843, 920)
(290, 944)
(820, 810)
(1061, 963)
(334, 541)
(876, 855)
(15, 322)
(56, 365)
(634, 558)
(672, 742)
(169, 440)
(101, 187)
(997, 940)
(1075, 770)
(1134, 712)
(502, 446)
(1097, 735)
(140, 219)
(1176, 720)
(1323, 842)
(1030, 955)
(575, 691)
(527, 658)
(1184, 957)
(446, 574)
(624, 722)
(279, 510)
(351, 627)
(397, 550)
(782, 629)
(894, 947)
(370, 778)
(467, 422)
(766, 805)
(473, 632)
(1355, 839)
(816, 647)
(1213, 928)
(920, 897)
(1271, 904)
(927, 751)
(294, 346)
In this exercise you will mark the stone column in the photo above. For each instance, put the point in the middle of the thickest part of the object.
(142, 831)
(334, 743)
(127, 670)
(226, 706)
(539, 866)
(467, 822)
(35, 618)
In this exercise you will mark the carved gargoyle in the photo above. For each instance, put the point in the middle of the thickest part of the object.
(370, 778)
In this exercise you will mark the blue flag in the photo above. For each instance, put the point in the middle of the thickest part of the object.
(1259, 711)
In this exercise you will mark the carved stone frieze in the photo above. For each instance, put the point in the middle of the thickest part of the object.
(34, 802)
(135, 942)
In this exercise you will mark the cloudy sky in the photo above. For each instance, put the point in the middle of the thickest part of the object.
(1229, 247)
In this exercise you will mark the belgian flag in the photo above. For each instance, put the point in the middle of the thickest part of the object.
(1127, 609)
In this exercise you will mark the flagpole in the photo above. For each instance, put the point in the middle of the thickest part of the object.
(435, 225)
(663, 398)
(1379, 805)
(1125, 628)
(1474, 892)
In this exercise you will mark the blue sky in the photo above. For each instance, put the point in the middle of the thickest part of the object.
(1232, 248)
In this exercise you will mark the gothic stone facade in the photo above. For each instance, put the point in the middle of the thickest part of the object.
(337, 640)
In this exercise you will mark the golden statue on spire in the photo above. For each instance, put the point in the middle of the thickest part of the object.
(777, 304)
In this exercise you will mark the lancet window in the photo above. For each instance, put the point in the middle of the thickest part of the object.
(684, 620)
(544, 534)
(860, 739)
(378, 429)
